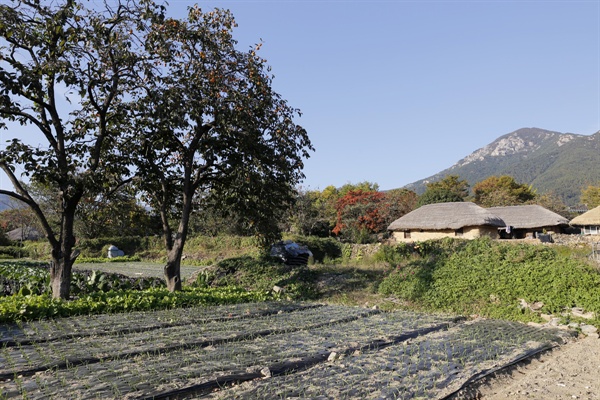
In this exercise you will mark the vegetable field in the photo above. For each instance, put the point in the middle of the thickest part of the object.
(259, 350)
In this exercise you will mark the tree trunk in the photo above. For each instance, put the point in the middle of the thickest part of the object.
(63, 257)
(173, 268)
(60, 277)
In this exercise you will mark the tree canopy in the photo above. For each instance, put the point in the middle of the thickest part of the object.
(45, 51)
(211, 130)
(590, 196)
(502, 191)
(449, 189)
(171, 100)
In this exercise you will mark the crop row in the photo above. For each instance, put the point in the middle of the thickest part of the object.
(110, 324)
(425, 353)
(31, 358)
(430, 366)
(302, 339)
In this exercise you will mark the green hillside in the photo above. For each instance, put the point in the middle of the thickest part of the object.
(559, 163)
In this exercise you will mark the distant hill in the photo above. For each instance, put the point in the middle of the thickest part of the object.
(561, 163)
(4, 202)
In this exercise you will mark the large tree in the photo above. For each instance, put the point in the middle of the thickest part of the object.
(211, 130)
(64, 71)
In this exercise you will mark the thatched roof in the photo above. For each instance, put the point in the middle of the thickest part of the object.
(528, 216)
(591, 217)
(446, 216)
(26, 233)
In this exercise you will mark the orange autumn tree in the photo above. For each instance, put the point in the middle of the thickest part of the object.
(360, 215)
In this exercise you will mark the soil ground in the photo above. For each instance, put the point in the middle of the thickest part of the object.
(571, 371)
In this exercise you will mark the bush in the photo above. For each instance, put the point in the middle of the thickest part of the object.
(263, 273)
(393, 254)
(486, 277)
(13, 252)
(321, 248)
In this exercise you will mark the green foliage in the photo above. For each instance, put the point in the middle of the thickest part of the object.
(321, 248)
(449, 189)
(502, 191)
(263, 274)
(394, 255)
(32, 307)
(486, 277)
(590, 196)
(311, 214)
(438, 195)
(25, 277)
(13, 252)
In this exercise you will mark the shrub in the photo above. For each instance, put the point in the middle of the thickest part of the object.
(13, 252)
(486, 277)
(263, 274)
(321, 248)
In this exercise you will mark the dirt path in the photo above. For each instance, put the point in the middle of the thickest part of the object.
(571, 371)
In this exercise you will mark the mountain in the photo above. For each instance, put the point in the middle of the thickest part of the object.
(4, 202)
(552, 162)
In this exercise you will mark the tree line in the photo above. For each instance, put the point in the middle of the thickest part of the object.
(361, 213)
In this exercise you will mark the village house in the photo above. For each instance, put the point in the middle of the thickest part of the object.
(527, 221)
(434, 221)
(588, 222)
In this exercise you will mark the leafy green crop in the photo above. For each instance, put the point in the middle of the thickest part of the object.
(487, 278)
(26, 277)
(32, 307)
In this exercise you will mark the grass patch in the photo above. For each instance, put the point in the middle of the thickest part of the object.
(260, 273)
(488, 278)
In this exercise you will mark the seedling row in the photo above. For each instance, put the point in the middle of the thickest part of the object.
(300, 350)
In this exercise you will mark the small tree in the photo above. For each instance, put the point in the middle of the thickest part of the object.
(397, 203)
(309, 215)
(453, 184)
(359, 215)
(47, 50)
(502, 191)
(211, 132)
(590, 196)
(450, 189)
(438, 195)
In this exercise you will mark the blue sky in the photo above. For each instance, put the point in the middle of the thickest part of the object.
(394, 91)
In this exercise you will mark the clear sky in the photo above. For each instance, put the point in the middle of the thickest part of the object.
(394, 91)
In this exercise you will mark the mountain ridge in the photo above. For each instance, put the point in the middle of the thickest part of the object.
(550, 161)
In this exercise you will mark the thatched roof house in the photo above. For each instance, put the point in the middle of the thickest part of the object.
(434, 221)
(26, 233)
(525, 221)
(588, 221)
